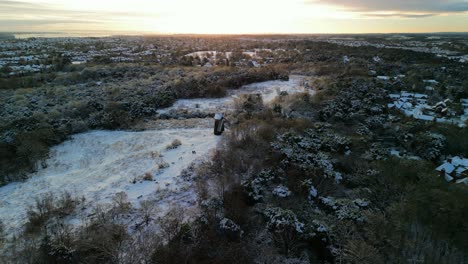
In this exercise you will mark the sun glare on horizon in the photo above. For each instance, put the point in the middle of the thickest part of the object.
(226, 16)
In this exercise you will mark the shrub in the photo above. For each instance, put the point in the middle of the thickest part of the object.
(148, 176)
(285, 227)
(46, 207)
(121, 204)
(174, 144)
(39, 213)
(147, 208)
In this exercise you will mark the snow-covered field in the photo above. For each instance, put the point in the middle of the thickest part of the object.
(269, 90)
(98, 164)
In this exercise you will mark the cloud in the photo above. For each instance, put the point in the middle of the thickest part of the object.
(19, 15)
(397, 15)
(401, 6)
(29, 8)
(28, 22)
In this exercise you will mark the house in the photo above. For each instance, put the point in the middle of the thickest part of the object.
(439, 106)
(456, 167)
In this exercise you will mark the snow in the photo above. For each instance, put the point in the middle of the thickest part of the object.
(205, 54)
(361, 203)
(99, 164)
(418, 95)
(446, 167)
(281, 191)
(395, 152)
(460, 170)
(419, 107)
(448, 177)
(346, 59)
(465, 181)
(454, 167)
(228, 224)
(269, 90)
(383, 78)
(313, 193)
(424, 117)
(431, 81)
(406, 94)
(457, 161)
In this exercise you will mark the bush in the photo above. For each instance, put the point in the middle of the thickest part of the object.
(174, 144)
(46, 207)
(148, 176)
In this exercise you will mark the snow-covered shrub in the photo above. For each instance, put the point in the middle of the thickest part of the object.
(312, 192)
(361, 203)
(213, 203)
(255, 186)
(316, 228)
(281, 191)
(304, 152)
(230, 228)
(284, 226)
(435, 143)
(334, 143)
(376, 152)
(280, 220)
(375, 121)
(61, 242)
(163, 165)
(254, 189)
(320, 226)
(228, 224)
(345, 208)
(363, 130)
(322, 161)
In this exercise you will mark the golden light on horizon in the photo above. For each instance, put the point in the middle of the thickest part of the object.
(222, 17)
(210, 16)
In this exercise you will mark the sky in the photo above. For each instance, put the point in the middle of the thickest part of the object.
(234, 16)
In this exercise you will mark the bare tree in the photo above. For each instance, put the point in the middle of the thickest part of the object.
(147, 209)
(121, 204)
(171, 223)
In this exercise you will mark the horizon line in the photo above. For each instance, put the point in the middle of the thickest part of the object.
(145, 33)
